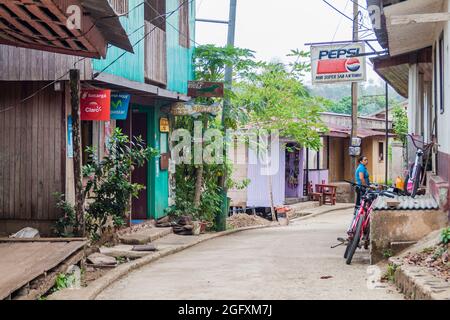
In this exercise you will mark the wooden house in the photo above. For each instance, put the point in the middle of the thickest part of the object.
(416, 68)
(35, 160)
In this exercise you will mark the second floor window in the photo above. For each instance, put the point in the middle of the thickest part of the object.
(183, 24)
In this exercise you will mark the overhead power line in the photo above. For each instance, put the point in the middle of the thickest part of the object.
(346, 16)
(166, 15)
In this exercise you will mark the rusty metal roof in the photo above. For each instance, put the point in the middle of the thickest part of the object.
(425, 202)
(341, 131)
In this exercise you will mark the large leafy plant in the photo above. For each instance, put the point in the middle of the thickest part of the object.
(109, 188)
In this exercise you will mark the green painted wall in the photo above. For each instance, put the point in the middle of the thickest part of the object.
(179, 59)
(159, 178)
(130, 66)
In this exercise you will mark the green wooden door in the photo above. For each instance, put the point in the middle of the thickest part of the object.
(157, 179)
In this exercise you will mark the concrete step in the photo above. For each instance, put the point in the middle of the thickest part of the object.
(291, 201)
(145, 236)
(123, 250)
(417, 282)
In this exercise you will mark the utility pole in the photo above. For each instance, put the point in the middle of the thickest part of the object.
(75, 103)
(221, 220)
(354, 94)
(386, 156)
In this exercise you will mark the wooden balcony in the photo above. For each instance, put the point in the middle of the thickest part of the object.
(155, 55)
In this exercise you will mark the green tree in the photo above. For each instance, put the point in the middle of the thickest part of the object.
(367, 105)
(400, 123)
(198, 191)
(277, 100)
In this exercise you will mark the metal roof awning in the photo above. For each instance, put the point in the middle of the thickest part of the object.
(395, 69)
(426, 202)
(139, 89)
(344, 132)
(43, 25)
(407, 26)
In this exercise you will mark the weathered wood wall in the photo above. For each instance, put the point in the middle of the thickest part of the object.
(21, 64)
(32, 152)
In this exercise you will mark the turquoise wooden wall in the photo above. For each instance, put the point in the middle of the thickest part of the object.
(179, 59)
(130, 66)
(159, 178)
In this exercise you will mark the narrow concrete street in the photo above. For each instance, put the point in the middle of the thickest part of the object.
(274, 263)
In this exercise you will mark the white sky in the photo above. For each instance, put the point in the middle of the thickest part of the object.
(273, 27)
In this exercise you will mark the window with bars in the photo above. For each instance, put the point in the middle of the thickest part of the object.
(183, 24)
(120, 6)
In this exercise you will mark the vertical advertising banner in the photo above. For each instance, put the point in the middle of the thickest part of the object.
(69, 137)
(119, 105)
(95, 105)
(338, 63)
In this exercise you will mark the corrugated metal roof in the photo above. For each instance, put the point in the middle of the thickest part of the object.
(426, 202)
(339, 131)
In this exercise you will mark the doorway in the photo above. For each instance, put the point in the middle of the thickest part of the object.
(294, 173)
(137, 124)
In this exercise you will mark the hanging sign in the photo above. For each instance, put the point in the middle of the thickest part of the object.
(95, 105)
(185, 109)
(205, 89)
(119, 105)
(69, 137)
(164, 126)
(338, 63)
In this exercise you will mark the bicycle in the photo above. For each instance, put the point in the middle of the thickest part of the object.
(360, 229)
(416, 172)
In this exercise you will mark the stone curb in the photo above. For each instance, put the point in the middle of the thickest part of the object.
(99, 285)
(417, 283)
(330, 209)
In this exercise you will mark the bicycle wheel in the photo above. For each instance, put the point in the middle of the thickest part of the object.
(347, 249)
(417, 180)
(355, 242)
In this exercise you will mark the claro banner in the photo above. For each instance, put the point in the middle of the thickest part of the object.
(95, 105)
(338, 63)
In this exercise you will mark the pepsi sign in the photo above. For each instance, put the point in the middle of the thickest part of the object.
(338, 63)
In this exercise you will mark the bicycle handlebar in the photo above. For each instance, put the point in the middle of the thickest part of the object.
(426, 146)
(357, 185)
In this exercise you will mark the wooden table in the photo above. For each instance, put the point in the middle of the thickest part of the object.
(328, 193)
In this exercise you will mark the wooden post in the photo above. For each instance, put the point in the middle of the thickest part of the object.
(354, 98)
(386, 156)
(77, 153)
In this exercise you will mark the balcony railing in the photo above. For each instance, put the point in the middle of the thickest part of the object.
(155, 55)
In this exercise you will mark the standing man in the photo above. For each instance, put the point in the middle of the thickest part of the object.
(362, 177)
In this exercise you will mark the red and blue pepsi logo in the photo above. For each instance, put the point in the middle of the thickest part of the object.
(338, 61)
(353, 64)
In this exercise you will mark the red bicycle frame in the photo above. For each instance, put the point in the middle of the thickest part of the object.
(363, 213)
